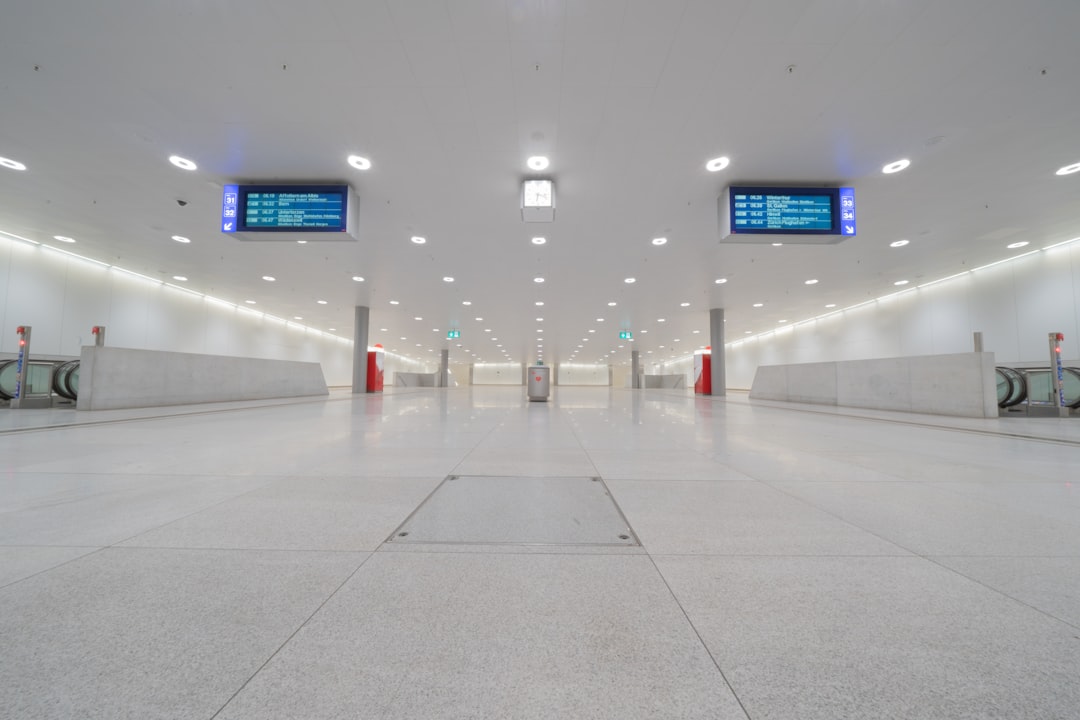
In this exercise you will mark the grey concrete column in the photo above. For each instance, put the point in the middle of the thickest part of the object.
(716, 337)
(470, 374)
(360, 345)
(610, 375)
(444, 369)
(635, 369)
(555, 374)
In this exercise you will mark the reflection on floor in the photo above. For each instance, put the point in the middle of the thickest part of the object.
(245, 560)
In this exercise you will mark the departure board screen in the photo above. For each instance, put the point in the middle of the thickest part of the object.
(790, 211)
(285, 208)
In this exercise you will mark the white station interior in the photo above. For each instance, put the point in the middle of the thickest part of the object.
(540, 184)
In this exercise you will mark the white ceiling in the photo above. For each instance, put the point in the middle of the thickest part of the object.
(629, 99)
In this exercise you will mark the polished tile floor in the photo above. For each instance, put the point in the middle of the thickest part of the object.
(244, 561)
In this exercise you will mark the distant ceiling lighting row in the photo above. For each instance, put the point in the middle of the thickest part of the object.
(11, 164)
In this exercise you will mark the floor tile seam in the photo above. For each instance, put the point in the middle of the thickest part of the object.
(261, 486)
(632, 551)
(176, 415)
(701, 639)
(930, 558)
(403, 523)
(196, 548)
(1071, 624)
(454, 470)
(93, 551)
(787, 555)
(932, 426)
(300, 627)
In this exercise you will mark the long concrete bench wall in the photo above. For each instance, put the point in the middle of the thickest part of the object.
(112, 378)
(961, 384)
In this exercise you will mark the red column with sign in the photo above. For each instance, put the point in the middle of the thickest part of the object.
(703, 374)
(375, 369)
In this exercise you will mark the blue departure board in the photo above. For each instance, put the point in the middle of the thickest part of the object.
(791, 211)
(285, 208)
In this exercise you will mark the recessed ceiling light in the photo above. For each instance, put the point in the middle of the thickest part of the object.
(594, 330)
(899, 243)
(1013, 246)
(269, 278)
(781, 321)
(538, 279)
(901, 282)
(402, 338)
(321, 302)
(250, 302)
(394, 302)
(418, 318)
(448, 279)
(831, 305)
(487, 329)
(385, 330)
(539, 303)
(659, 241)
(1067, 170)
(778, 244)
(466, 302)
(418, 240)
(181, 239)
(717, 164)
(630, 281)
(333, 329)
(895, 167)
(479, 319)
(359, 162)
(685, 304)
(297, 317)
(812, 281)
(720, 281)
(599, 319)
(539, 319)
(539, 241)
(358, 278)
(63, 238)
(16, 165)
(181, 278)
(748, 332)
(759, 304)
(661, 320)
(301, 242)
(538, 162)
(697, 332)
(182, 163)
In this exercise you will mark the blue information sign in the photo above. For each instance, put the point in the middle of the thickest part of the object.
(792, 211)
(285, 208)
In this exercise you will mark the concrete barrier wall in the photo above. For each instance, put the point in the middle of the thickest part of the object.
(404, 379)
(665, 381)
(961, 384)
(111, 378)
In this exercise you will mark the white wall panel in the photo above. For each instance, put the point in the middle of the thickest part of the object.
(62, 297)
(575, 374)
(1014, 304)
(497, 374)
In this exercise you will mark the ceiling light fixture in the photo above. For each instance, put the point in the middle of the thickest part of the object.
(448, 279)
(899, 243)
(720, 281)
(181, 278)
(1020, 244)
(538, 162)
(630, 281)
(321, 302)
(895, 167)
(181, 239)
(759, 304)
(182, 163)
(539, 241)
(357, 278)
(63, 238)
(685, 304)
(659, 241)
(539, 303)
(831, 305)
(717, 164)
(778, 244)
(394, 302)
(269, 278)
(16, 165)
(538, 279)
(418, 240)
(359, 162)
(812, 281)
(250, 302)
(466, 302)
(901, 282)
(301, 242)
(1067, 170)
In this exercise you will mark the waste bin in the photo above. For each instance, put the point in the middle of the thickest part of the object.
(539, 383)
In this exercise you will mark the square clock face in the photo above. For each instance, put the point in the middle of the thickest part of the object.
(538, 194)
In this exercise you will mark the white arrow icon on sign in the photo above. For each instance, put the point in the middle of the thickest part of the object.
(228, 226)
(849, 229)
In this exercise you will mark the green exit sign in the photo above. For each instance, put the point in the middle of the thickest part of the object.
(451, 334)
(626, 335)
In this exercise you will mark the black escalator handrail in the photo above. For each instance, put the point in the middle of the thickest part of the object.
(61, 376)
(5, 395)
(1018, 389)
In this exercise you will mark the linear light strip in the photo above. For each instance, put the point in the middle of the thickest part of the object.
(769, 333)
(209, 298)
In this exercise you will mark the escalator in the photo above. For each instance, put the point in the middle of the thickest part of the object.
(1020, 389)
(45, 380)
